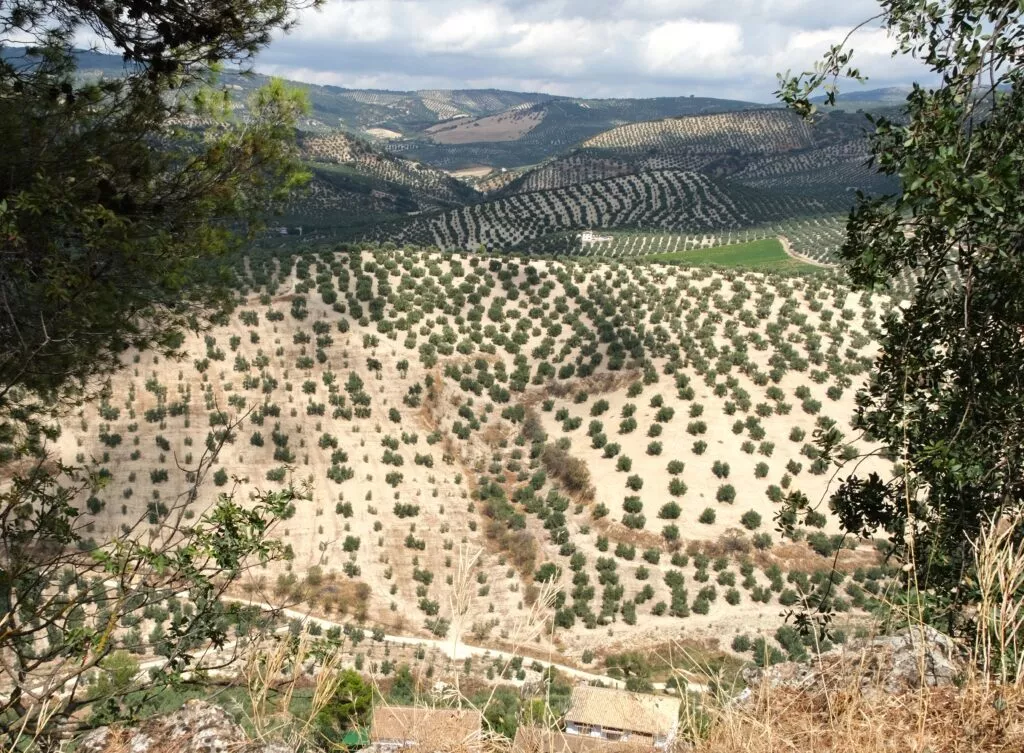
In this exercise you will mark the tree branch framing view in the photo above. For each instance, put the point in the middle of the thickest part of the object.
(337, 418)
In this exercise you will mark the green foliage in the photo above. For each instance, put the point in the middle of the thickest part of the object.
(349, 706)
(751, 520)
(200, 563)
(135, 206)
(669, 511)
(944, 394)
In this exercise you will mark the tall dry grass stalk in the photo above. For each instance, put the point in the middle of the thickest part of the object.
(461, 596)
(432, 739)
(26, 734)
(274, 668)
(999, 567)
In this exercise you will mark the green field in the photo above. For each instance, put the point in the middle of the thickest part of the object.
(763, 254)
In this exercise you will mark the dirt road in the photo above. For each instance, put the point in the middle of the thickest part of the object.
(788, 248)
(458, 650)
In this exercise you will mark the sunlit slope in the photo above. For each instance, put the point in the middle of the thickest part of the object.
(621, 430)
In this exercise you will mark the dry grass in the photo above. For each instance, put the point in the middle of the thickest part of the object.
(620, 534)
(273, 670)
(840, 711)
(978, 717)
(596, 384)
(999, 564)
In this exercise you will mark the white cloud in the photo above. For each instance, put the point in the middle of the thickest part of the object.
(360, 21)
(467, 29)
(583, 47)
(692, 48)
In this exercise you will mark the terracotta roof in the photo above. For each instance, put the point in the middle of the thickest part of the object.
(619, 709)
(438, 729)
(540, 740)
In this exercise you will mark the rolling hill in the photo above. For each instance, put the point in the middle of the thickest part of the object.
(868, 100)
(354, 184)
(553, 126)
(621, 432)
(703, 178)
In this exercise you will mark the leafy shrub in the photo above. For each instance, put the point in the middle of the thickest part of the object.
(634, 521)
(632, 504)
(669, 511)
(751, 520)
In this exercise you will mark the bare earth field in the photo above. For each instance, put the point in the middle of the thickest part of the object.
(620, 430)
(472, 172)
(506, 126)
(383, 133)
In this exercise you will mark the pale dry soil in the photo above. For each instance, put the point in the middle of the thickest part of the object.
(506, 126)
(448, 521)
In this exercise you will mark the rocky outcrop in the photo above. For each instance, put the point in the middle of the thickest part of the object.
(197, 727)
(910, 659)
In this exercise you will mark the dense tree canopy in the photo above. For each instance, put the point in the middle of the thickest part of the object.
(946, 400)
(116, 192)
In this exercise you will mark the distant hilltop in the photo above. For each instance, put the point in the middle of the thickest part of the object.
(868, 99)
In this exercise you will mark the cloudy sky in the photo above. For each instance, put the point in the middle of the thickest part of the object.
(591, 48)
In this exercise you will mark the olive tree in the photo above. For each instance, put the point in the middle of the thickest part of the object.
(946, 396)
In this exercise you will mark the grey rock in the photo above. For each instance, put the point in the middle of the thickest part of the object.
(197, 727)
(912, 658)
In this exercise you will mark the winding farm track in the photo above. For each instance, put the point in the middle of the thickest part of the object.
(458, 650)
(788, 248)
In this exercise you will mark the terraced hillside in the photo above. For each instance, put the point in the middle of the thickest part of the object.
(653, 199)
(765, 148)
(355, 184)
(556, 124)
(753, 132)
(753, 174)
(407, 112)
(621, 432)
(812, 238)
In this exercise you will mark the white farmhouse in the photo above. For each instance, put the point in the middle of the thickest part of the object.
(589, 236)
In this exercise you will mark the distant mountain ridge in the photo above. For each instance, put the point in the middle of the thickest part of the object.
(410, 113)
